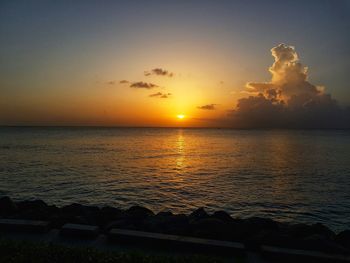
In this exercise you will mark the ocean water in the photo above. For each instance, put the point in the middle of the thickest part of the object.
(293, 176)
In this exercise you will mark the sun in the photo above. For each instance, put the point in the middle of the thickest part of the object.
(180, 116)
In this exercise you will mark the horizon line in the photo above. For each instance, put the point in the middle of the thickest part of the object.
(159, 127)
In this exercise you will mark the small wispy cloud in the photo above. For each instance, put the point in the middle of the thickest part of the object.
(207, 107)
(143, 85)
(159, 72)
(160, 95)
(124, 81)
(111, 82)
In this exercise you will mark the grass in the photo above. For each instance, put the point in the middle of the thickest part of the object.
(27, 252)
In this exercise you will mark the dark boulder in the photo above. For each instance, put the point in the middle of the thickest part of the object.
(108, 214)
(167, 223)
(73, 209)
(7, 206)
(52, 210)
(299, 230)
(261, 223)
(165, 213)
(303, 231)
(176, 224)
(112, 211)
(198, 214)
(80, 210)
(92, 214)
(137, 213)
(35, 209)
(76, 213)
(343, 238)
(320, 229)
(257, 231)
(222, 215)
(32, 205)
(254, 225)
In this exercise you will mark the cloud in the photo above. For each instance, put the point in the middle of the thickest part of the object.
(143, 85)
(289, 100)
(124, 81)
(207, 107)
(111, 82)
(159, 72)
(160, 95)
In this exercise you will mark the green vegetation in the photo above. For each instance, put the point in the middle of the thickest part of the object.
(26, 252)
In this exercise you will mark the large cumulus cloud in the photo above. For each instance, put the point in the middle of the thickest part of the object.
(289, 100)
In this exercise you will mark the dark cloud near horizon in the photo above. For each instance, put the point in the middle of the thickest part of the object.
(160, 95)
(289, 100)
(207, 107)
(143, 85)
(159, 72)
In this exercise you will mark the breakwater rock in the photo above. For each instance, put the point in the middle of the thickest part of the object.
(253, 231)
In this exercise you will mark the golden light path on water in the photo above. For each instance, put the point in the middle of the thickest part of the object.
(180, 146)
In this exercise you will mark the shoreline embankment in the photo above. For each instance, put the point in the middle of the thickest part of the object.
(253, 232)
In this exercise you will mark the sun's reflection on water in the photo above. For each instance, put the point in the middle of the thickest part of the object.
(180, 149)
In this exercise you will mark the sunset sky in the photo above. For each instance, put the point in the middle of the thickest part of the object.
(146, 63)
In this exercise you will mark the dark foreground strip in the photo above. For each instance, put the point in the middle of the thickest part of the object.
(191, 243)
(174, 242)
(302, 254)
(24, 225)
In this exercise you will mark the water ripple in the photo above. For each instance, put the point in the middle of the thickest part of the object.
(294, 176)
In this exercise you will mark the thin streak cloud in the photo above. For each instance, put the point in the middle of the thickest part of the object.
(159, 72)
(207, 107)
(143, 85)
(160, 95)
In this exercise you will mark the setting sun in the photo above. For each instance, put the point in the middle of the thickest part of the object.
(180, 116)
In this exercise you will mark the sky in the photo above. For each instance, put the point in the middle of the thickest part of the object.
(241, 64)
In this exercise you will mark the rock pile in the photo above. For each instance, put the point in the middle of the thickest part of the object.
(253, 231)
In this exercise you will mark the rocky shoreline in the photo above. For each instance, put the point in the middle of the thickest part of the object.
(254, 231)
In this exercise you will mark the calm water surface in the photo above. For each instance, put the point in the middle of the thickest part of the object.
(295, 176)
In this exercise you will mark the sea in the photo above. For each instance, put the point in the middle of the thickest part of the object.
(296, 176)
